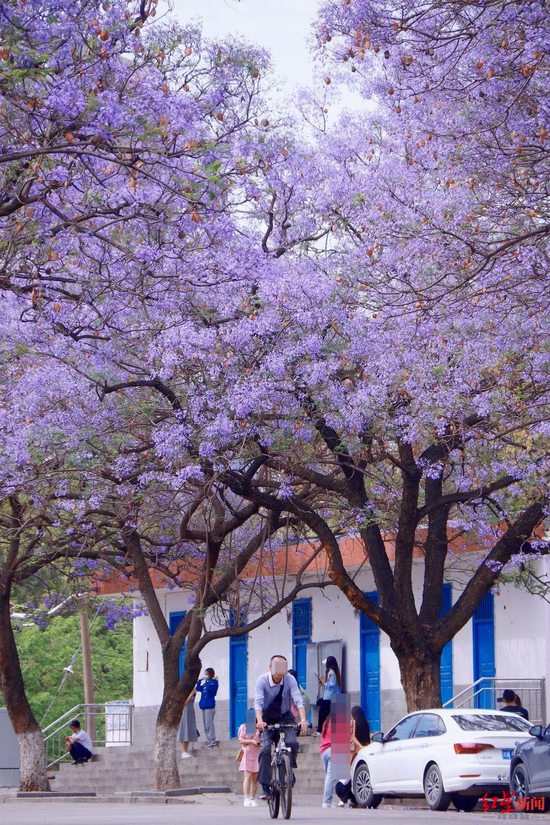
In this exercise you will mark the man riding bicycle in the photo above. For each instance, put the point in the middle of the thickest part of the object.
(276, 691)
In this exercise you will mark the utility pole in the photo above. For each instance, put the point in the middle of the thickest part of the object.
(87, 672)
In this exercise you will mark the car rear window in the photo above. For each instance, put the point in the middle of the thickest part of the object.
(486, 721)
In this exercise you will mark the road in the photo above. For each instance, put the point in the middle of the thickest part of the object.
(226, 811)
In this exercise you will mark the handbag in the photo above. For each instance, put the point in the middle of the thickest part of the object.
(272, 713)
(240, 755)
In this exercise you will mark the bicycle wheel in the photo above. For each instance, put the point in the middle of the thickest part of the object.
(285, 784)
(274, 799)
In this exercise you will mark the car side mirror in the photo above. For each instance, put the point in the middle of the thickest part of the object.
(536, 730)
(379, 737)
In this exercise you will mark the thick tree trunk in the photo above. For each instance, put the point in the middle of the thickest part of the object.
(420, 677)
(33, 772)
(175, 694)
(166, 764)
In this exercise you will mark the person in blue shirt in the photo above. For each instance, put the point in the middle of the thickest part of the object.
(208, 687)
(332, 684)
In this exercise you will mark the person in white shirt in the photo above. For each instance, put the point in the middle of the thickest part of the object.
(79, 744)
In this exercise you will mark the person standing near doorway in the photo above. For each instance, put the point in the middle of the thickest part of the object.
(208, 687)
(332, 684)
(188, 726)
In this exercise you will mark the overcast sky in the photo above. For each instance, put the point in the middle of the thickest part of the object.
(281, 26)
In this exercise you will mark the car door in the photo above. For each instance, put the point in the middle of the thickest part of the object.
(538, 763)
(394, 768)
(422, 744)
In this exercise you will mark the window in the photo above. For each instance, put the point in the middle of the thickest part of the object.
(404, 729)
(486, 721)
(301, 619)
(430, 725)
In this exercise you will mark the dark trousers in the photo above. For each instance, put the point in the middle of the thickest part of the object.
(344, 792)
(79, 752)
(267, 737)
(324, 713)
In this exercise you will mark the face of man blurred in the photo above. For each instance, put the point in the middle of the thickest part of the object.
(278, 668)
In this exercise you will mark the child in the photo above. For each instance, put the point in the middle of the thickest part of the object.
(250, 765)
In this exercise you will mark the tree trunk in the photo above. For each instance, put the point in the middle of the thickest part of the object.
(33, 773)
(174, 696)
(420, 677)
(166, 764)
(87, 672)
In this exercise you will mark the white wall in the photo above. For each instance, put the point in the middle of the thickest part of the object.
(148, 684)
(522, 641)
(263, 643)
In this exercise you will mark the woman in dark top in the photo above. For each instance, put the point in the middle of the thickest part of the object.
(359, 737)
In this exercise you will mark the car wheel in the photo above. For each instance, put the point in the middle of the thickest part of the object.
(436, 797)
(519, 787)
(362, 788)
(464, 803)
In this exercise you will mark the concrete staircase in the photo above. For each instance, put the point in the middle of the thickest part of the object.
(123, 769)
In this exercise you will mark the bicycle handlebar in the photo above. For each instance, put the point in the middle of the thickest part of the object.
(279, 727)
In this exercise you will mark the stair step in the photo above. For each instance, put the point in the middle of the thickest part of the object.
(129, 769)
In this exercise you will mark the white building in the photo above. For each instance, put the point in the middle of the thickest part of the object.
(508, 639)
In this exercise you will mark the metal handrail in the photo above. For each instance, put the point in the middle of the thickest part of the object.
(98, 716)
(71, 712)
(466, 689)
(468, 698)
(489, 686)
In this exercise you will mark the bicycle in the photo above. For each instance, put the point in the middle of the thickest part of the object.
(282, 777)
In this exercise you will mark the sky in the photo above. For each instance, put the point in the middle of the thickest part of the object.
(281, 26)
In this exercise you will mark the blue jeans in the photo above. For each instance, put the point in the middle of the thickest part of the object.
(329, 782)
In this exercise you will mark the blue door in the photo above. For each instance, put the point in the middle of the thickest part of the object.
(301, 637)
(238, 682)
(447, 652)
(484, 650)
(173, 621)
(370, 668)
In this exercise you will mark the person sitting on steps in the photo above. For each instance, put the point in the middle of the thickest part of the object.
(79, 744)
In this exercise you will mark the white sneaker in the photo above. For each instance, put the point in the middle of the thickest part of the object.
(328, 805)
(246, 802)
(185, 755)
(252, 803)
(341, 804)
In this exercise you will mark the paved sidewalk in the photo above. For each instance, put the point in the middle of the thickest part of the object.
(228, 809)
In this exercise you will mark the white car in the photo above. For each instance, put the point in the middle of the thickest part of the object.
(443, 754)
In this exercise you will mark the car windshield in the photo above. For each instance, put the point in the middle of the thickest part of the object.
(486, 721)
